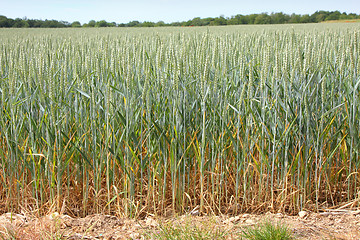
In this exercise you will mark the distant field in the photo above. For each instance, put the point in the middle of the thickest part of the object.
(151, 121)
(343, 21)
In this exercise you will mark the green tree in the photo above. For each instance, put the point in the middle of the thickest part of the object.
(352, 16)
(6, 22)
(201, 22)
(305, 18)
(262, 19)
(251, 18)
(295, 18)
(177, 24)
(147, 24)
(219, 21)
(243, 19)
(160, 24)
(279, 18)
(344, 16)
(33, 23)
(91, 23)
(52, 24)
(333, 16)
(76, 24)
(133, 24)
(235, 20)
(101, 23)
(320, 17)
(20, 23)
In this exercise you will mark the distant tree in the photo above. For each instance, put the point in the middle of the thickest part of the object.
(176, 24)
(5, 22)
(133, 24)
(295, 18)
(206, 21)
(333, 16)
(352, 16)
(187, 23)
(279, 18)
(251, 18)
(262, 19)
(20, 23)
(76, 24)
(160, 24)
(305, 18)
(320, 17)
(101, 23)
(47, 24)
(65, 23)
(147, 24)
(34, 23)
(196, 21)
(91, 23)
(234, 20)
(218, 21)
(344, 16)
(52, 24)
(243, 19)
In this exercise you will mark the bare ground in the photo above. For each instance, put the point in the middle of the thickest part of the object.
(328, 225)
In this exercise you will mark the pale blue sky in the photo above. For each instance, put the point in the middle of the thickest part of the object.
(122, 11)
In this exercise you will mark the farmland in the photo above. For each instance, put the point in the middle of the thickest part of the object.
(168, 120)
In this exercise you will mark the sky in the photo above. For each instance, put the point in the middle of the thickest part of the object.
(122, 11)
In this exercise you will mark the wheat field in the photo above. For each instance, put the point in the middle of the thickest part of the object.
(151, 121)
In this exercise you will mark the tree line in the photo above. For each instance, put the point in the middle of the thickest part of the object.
(262, 18)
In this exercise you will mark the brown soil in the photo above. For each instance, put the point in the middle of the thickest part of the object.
(329, 225)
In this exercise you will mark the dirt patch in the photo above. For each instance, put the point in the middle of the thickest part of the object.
(330, 225)
(345, 225)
